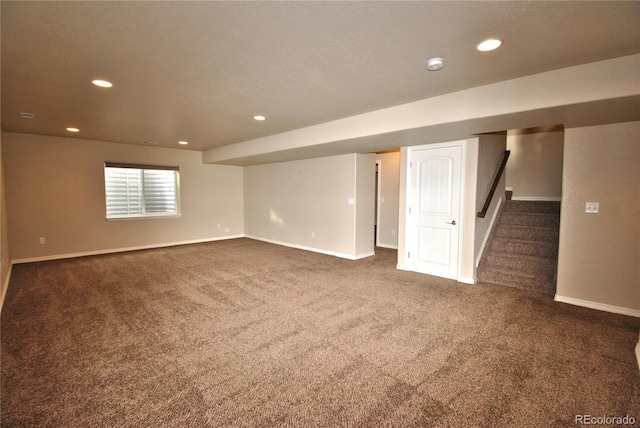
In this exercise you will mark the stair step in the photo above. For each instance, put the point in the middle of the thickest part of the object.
(528, 233)
(529, 265)
(530, 219)
(549, 207)
(522, 251)
(523, 281)
(525, 248)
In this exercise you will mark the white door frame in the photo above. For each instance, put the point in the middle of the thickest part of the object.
(408, 189)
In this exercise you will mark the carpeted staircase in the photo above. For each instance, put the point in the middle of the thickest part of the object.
(522, 250)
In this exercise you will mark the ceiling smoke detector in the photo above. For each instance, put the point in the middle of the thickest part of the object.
(435, 64)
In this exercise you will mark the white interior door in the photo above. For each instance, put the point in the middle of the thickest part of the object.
(433, 222)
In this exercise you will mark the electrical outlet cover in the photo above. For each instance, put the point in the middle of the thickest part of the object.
(592, 207)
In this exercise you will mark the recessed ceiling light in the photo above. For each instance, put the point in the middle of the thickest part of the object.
(72, 129)
(102, 83)
(489, 45)
(259, 117)
(435, 64)
(184, 143)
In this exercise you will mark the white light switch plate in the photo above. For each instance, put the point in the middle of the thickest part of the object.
(592, 207)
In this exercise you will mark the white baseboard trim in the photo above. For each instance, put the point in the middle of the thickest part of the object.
(122, 250)
(5, 286)
(537, 198)
(489, 229)
(364, 255)
(312, 249)
(392, 247)
(599, 306)
(466, 280)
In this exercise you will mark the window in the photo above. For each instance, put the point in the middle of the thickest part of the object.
(136, 191)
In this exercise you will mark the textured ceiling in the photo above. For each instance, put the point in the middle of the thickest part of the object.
(200, 71)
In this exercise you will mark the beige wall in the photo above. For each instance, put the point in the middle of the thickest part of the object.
(306, 203)
(389, 188)
(491, 148)
(469, 217)
(365, 191)
(534, 171)
(55, 190)
(5, 255)
(402, 206)
(599, 255)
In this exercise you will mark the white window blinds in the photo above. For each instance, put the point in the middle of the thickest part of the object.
(140, 190)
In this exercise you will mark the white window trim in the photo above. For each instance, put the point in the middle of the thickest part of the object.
(143, 216)
(146, 216)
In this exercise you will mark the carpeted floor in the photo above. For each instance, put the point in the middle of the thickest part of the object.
(245, 333)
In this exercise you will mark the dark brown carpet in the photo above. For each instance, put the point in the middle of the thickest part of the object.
(244, 333)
